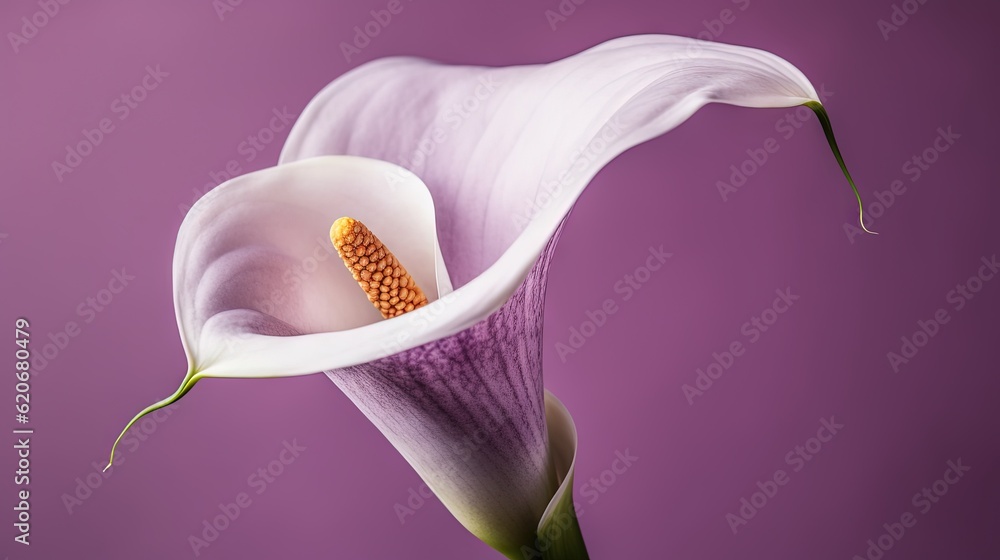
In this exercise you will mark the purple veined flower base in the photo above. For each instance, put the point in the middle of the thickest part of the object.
(468, 413)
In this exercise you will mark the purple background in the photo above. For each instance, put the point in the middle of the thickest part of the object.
(784, 228)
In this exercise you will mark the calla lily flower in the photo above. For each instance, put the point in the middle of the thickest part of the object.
(493, 160)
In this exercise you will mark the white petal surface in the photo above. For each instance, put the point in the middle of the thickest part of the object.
(254, 265)
(507, 151)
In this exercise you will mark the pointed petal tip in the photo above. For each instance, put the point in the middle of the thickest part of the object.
(824, 120)
(189, 380)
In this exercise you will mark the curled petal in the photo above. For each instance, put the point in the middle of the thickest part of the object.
(507, 151)
(502, 172)
(558, 533)
(256, 278)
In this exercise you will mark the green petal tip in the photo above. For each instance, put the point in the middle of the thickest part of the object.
(824, 120)
(186, 386)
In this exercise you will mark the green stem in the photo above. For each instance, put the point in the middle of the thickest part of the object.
(189, 380)
(824, 120)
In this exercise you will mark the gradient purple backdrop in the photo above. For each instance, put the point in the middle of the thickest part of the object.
(826, 356)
